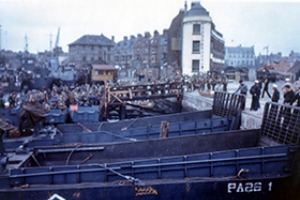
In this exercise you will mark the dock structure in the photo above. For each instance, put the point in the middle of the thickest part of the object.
(116, 98)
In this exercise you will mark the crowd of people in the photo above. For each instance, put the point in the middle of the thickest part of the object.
(291, 95)
(211, 84)
(57, 97)
(62, 97)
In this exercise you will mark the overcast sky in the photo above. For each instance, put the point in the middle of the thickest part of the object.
(260, 23)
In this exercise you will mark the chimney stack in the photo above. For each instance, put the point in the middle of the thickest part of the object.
(185, 6)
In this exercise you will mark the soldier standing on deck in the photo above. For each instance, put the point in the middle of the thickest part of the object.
(275, 94)
(255, 92)
(288, 94)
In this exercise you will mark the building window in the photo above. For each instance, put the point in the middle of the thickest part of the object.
(196, 46)
(195, 65)
(196, 29)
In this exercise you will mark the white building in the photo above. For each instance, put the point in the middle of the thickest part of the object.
(202, 45)
(240, 56)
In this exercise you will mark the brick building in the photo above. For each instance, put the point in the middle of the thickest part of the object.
(174, 40)
(91, 49)
(123, 52)
(142, 51)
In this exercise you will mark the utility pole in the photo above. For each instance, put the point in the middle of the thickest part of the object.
(267, 54)
(26, 43)
(57, 38)
(50, 42)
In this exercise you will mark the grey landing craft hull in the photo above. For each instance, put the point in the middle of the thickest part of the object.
(271, 188)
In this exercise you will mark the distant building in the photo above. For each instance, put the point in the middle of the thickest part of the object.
(276, 58)
(202, 45)
(143, 51)
(101, 73)
(268, 59)
(91, 49)
(293, 57)
(123, 52)
(240, 56)
(175, 40)
(295, 71)
(276, 70)
(58, 71)
(148, 74)
(158, 49)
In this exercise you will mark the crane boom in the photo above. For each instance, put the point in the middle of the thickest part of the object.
(57, 38)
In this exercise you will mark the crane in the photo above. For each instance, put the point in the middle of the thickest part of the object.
(267, 54)
(50, 42)
(57, 49)
(57, 38)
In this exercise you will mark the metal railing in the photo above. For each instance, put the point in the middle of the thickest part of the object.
(281, 123)
(206, 165)
(226, 104)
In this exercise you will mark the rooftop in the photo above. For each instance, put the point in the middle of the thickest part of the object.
(295, 68)
(93, 40)
(103, 67)
(240, 49)
(282, 66)
(197, 10)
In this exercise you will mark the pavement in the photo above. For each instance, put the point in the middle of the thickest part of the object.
(250, 119)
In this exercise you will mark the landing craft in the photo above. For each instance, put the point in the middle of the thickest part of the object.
(235, 165)
(224, 116)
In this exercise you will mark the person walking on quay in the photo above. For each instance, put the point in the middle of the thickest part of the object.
(213, 84)
(266, 88)
(255, 92)
(209, 84)
(275, 94)
(288, 94)
(243, 89)
(260, 83)
(289, 99)
(224, 81)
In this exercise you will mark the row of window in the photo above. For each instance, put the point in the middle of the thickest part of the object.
(240, 55)
(85, 48)
(98, 72)
(237, 63)
(96, 58)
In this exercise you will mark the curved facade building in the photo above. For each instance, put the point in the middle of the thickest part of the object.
(202, 45)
